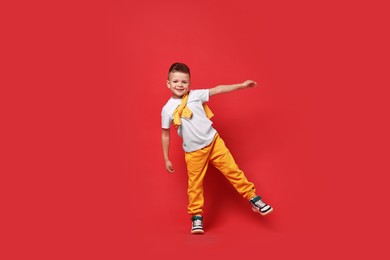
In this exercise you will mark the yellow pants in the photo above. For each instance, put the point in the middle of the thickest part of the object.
(218, 155)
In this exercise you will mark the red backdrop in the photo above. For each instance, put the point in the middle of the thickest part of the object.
(83, 84)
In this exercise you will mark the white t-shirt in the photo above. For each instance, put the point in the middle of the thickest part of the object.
(197, 132)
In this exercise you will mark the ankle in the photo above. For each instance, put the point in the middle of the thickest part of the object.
(195, 217)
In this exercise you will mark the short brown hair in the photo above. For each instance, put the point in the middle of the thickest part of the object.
(179, 67)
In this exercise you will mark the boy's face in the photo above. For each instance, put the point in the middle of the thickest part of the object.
(178, 83)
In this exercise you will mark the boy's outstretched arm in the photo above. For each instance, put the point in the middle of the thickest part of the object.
(229, 88)
(165, 139)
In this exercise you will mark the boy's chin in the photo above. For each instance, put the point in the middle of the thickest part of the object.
(180, 95)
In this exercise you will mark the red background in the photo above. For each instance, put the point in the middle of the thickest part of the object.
(82, 86)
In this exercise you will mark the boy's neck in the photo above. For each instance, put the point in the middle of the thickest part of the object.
(174, 97)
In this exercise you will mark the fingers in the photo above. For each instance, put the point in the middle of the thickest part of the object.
(169, 167)
(250, 83)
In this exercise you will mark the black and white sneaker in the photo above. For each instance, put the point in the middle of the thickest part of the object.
(197, 225)
(259, 206)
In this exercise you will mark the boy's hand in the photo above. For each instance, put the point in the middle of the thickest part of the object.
(249, 84)
(169, 167)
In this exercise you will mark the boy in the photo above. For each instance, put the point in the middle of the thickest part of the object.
(187, 111)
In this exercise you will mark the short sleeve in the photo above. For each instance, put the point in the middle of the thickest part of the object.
(201, 94)
(165, 119)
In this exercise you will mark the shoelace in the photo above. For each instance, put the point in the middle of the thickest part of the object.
(197, 222)
(260, 204)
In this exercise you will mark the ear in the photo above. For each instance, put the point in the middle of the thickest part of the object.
(168, 84)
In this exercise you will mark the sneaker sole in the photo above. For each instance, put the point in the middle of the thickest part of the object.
(198, 231)
(263, 213)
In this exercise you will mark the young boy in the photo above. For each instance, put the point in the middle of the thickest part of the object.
(188, 112)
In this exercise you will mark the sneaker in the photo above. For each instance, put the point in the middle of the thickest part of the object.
(197, 225)
(259, 206)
